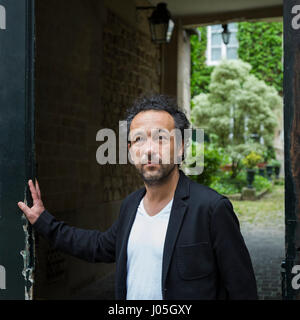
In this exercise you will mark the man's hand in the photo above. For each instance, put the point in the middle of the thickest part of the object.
(35, 211)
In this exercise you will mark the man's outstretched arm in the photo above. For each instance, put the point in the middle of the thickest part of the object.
(89, 245)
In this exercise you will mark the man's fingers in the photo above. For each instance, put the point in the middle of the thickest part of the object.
(38, 189)
(24, 208)
(33, 191)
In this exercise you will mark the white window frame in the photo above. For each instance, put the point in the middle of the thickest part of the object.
(209, 62)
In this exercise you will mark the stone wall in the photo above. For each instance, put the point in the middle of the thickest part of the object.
(90, 66)
(184, 69)
(177, 67)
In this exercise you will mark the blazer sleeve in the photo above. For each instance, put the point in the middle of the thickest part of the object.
(89, 245)
(232, 255)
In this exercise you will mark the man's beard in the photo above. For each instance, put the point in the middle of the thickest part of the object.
(158, 175)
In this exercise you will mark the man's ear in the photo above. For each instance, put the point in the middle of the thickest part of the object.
(129, 153)
(129, 147)
(180, 151)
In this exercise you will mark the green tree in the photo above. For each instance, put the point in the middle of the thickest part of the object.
(237, 107)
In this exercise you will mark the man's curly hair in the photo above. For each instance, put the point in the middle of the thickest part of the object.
(158, 102)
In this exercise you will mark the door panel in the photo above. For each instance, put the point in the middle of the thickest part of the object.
(292, 146)
(16, 146)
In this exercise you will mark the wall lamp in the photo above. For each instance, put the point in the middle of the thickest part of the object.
(160, 22)
(225, 34)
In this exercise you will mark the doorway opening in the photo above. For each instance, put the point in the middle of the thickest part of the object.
(237, 98)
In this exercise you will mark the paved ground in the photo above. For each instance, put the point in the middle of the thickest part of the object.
(266, 248)
(265, 242)
(262, 225)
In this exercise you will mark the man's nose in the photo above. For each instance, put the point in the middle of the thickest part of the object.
(149, 145)
(149, 148)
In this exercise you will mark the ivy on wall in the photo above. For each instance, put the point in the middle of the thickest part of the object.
(260, 44)
(200, 72)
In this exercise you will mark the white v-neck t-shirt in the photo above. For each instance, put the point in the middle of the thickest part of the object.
(145, 253)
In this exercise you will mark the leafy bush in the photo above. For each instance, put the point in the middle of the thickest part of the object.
(238, 152)
(279, 182)
(260, 183)
(269, 153)
(213, 157)
(224, 183)
(225, 187)
(275, 163)
(251, 160)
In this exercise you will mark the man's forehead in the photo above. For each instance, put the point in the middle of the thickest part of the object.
(153, 119)
(148, 131)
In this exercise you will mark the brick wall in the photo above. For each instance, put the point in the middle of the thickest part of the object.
(90, 65)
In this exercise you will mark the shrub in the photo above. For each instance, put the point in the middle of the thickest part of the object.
(212, 161)
(275, 163)
(224, 183)
(260, 183)
(251, 160)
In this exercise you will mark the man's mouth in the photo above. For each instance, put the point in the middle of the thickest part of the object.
(149, 163)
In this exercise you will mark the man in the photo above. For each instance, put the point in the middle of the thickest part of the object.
(174, 238)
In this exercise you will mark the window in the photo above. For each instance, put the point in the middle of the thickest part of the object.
(216, 49)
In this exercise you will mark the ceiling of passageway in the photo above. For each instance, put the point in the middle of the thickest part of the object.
(207, 7)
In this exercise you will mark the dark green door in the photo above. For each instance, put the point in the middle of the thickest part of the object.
(290, 271)
(16, 146)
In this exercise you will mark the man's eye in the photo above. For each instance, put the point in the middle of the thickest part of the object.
(162, 138)
(137, 139)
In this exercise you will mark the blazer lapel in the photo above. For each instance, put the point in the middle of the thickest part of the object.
(176, 217)
(178, 210)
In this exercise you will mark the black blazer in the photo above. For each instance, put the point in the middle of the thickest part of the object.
(205, 256)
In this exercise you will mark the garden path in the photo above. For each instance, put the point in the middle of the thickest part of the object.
(262, 226)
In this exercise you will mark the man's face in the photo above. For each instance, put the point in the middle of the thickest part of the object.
(152, 145)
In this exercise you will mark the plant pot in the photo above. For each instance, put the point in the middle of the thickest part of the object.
(227, 167)
(250, 177)
(261, 171)
(269, 172)
(277, 171)
(262, 165)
